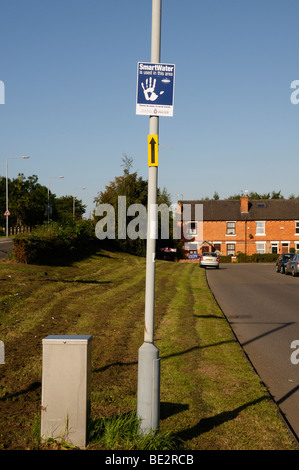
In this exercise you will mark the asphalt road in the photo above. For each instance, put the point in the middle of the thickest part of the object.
(262, 307)
(5, 247)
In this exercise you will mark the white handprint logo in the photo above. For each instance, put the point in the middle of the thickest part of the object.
(149, 90)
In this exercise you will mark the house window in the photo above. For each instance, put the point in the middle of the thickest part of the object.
(192, 228)
(217, 246)
(191, 247)
(260, 228)
(230, 249)
(260, 248)
(230, 228)
(297, 227)
(297, 246)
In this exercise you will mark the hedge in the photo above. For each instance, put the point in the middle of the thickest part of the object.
(55, 244)
(255, 258)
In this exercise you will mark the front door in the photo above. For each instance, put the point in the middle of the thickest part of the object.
(284, 247)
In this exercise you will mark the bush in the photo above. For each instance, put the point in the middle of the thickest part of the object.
(225, 259)
(242, 258)
(264, 257)
(257, 258)
(55, 244)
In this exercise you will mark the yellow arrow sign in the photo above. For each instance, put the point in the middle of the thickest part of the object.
(152, 145)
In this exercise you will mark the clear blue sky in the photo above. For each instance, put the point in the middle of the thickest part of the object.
(69, 69)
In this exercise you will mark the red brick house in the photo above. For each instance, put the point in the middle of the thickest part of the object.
(243, 225)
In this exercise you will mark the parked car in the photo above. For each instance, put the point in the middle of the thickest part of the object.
(209, 259)
(282, 261)
(292, 266)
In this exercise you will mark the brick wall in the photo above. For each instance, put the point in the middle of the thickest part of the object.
(278, 235)
(245, 239)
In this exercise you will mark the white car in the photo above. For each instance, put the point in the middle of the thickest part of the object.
(209, 259)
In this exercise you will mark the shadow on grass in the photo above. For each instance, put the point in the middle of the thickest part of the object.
(31, 388)
(67, 259)
(101, 255)
(79, 281)
(207, 424)
(168, 409)
(176, 354)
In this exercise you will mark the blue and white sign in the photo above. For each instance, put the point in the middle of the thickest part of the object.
(193, 255)
(155, 89)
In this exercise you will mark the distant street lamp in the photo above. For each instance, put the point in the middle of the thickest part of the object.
(7, 212)
(74, 198)
(49, 194)
(90, 206)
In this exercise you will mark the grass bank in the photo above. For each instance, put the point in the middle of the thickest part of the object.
(210, 396)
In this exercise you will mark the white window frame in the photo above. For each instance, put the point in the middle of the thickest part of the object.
(276, 244)
(231, 243)
(262, 250)
(234, 229)
(190, 230)
(296, 228)
(257, 233)
(217, 243)
(194, 247)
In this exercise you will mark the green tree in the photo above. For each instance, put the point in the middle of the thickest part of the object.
(26, 202)
(255, 195)
(2, 202)
(64, 209)
(134, 188)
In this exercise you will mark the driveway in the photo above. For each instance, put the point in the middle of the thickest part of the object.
(262, 307)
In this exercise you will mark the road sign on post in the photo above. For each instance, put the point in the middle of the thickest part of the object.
(150, 101)
(155, 89)
(152, 142)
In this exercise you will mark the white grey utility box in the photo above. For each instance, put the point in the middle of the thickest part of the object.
(2, 353)
(66, 378)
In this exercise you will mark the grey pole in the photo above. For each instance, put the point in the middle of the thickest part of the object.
(48, 209)
(6, 189)
(6, 197)
(74, 202)
(49, 194)
(148, 394)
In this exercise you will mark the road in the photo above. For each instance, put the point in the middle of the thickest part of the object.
(5, 247)
(262, 307)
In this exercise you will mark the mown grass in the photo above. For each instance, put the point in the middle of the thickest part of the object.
(211, 398)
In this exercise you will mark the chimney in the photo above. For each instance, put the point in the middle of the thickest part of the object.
(244, 203)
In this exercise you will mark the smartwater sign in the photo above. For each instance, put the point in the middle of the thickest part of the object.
(155, 89)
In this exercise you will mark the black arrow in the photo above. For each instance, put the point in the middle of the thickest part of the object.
(153, 143)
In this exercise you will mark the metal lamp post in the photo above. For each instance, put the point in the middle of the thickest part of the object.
(148, 400)
(74, 199)
(49, 195)
(9, 158)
